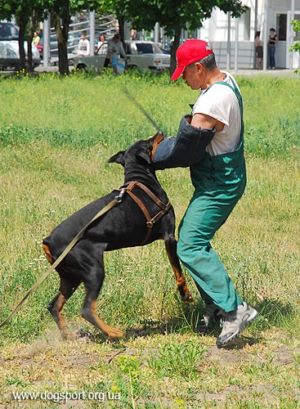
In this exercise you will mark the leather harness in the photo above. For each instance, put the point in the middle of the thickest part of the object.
(150, 221)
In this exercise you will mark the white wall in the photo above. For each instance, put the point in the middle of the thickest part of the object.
(215, 31)
(245, 54)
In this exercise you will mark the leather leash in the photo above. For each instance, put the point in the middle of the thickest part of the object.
(69, 247)
(118, 199)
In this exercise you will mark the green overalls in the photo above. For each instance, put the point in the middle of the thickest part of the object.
(219, 183)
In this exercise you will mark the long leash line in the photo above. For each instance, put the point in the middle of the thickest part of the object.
(69, 247)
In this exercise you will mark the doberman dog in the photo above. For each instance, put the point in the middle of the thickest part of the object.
(142, 216)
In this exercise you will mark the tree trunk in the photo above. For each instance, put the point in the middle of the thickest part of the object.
(62, 21)
(32, 26)
(121, 21)
(174, 47)
(62, 42)
(22, 28)
(29, 53)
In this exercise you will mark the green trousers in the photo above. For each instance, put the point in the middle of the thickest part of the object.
(219, 183)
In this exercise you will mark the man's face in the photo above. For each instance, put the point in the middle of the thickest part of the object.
(193, 75)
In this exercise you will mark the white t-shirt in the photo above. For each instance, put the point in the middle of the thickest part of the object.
(84, 47)
(221, 103)
(103, 47)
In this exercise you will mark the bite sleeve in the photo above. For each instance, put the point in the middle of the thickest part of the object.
(185, 149)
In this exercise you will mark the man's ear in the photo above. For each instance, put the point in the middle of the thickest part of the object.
(117, 158)
(144, 155)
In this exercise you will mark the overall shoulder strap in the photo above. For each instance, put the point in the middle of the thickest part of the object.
(237, 93)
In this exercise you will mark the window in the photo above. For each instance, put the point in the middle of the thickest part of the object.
(281, 22)
(144, 48)
(8, 31)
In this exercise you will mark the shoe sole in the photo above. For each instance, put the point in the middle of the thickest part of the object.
(244, 324)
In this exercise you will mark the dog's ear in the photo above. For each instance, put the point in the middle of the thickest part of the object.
(144, 155)
(117, 158)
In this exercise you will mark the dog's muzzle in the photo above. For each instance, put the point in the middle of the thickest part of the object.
(158, 138)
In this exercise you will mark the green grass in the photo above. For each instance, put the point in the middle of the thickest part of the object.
(55, 138)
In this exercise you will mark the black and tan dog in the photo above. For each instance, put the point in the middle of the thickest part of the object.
(142, 216)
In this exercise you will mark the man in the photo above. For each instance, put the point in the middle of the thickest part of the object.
(210, 141)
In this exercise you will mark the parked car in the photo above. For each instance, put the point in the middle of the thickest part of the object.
(144, 55)
(9, 47)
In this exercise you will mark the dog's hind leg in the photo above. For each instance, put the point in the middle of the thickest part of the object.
(93, 284)
(67, 288)
(171, 246)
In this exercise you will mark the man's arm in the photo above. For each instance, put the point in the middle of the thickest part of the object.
(206, 122)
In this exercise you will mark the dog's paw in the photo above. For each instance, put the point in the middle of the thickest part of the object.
(114, 333)
(185, 294)
(68, 335)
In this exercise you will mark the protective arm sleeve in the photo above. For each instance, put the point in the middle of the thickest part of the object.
(185, 149)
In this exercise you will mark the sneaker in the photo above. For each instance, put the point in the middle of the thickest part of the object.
(234, 323)
(211, 316)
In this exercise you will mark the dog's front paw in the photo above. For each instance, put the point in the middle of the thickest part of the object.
(185, 294)
(114, 333)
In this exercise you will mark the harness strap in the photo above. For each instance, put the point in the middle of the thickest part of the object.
(150, 221)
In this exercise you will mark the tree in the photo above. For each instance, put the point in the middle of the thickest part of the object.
(27, 14)
(61, 12)
(175, 15)
(296, 45)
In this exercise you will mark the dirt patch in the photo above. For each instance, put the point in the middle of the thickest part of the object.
(223, 376)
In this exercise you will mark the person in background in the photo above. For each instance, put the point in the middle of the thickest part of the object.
(133, 34)
(114, 51)
(36, 38)
(211, 143)
(258, 51)
(84, 45)
(101, 41)
(272, 47)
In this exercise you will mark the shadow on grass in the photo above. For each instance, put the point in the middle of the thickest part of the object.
(271, 313)
(274, 313)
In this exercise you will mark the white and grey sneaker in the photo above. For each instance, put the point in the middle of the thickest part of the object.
(211, 317)
(234, 323)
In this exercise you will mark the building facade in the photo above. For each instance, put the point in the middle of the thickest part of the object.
(233, 39)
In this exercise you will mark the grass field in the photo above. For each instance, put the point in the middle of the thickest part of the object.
(55, 138)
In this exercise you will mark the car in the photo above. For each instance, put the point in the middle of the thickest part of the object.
(144, 55)
(9, 47)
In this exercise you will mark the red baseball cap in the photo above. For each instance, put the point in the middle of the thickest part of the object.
(189, 52)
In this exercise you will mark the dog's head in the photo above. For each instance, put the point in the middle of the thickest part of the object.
(140, 152)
